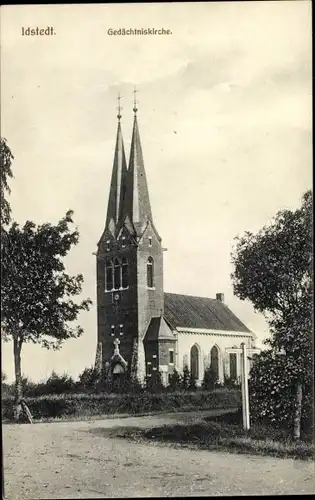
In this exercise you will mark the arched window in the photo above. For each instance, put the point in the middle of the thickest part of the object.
(150, 273)
(109, 275)
(214, 354)
(194, 362)
(124, 273)
(233, 366)
(117, 278)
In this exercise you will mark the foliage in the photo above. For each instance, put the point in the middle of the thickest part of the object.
(273, 269)
(213, 434)
(54, 384)
(134, 386)
(59, 384)
(37, 304)
(83, 404)
(230, 382)
(209, 379)
(272, 390)
(186, 378)
(89, 378)
(154, 383)
(36, 292)
(175, 381)
(192, 383)
(6, 158)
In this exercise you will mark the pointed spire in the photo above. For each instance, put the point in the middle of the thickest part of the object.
(117, 185)
(135, 109)
(119, 108)
(137, 206)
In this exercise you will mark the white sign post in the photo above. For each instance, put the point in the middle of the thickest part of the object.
(244, 351)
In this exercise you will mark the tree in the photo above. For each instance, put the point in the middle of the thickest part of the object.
(175, 381)
(37, 304)
(59, 384)
(273, 269)
(154, 383)
(192, 382)
(210, 379)
(89, 378)
(6, 158)
(186, 378)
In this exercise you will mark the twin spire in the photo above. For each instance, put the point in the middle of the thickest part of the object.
(129, 202)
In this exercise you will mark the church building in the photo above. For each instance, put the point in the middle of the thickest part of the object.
(140, 327)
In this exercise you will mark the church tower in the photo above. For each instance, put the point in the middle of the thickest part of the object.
(129, 265)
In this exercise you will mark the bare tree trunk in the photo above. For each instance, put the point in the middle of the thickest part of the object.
(298, 411)
(20, 406)
(17, 345)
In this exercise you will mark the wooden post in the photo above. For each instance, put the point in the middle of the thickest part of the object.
(243, 351)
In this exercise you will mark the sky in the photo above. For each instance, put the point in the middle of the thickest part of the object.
(225, 124)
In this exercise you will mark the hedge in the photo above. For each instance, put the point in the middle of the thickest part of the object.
(82, 405)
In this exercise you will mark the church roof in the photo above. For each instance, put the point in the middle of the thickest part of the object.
(137, 202)
(200, 312)
(159, 330)
(117, 184)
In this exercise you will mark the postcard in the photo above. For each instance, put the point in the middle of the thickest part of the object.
(156, 169)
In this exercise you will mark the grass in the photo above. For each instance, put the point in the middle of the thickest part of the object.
(82, 406)
(219, 433)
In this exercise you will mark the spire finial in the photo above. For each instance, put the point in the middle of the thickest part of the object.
(119, 108)
(135, 109)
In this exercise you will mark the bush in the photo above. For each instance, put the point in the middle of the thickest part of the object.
(272, 392)
(209, 379)
(230, 382)
(175, 381)
(88, 379)
(55, 384)
(59, 384)
(83, 404)
(154, 383)
(186, 378)
(192, 383)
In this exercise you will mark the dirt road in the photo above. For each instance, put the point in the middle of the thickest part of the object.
(80, 460)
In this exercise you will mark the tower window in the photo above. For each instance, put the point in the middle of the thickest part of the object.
(150, 241)
(108, 245)
(124, 273)
(123, 242)
(150, 273)
(117, 280)
(109, 275)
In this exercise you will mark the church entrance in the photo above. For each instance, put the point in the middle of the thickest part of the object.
(194, 362)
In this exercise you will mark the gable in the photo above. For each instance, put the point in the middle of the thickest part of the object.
(149, 229)
(200, 312)
(107, 235)
(159, 329)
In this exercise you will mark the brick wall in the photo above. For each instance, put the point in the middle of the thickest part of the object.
(125, 313)
(137, 304)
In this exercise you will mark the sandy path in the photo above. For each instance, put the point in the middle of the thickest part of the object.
(77, 460)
